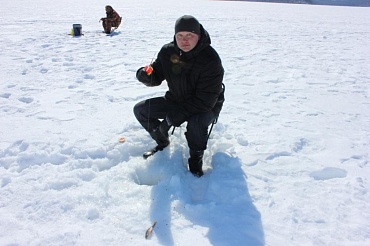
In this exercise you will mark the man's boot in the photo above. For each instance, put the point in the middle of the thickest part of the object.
(161, 138)
(162, 141)
(196, 162)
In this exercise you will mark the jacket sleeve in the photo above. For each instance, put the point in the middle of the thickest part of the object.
(158, 75)
(155, 78)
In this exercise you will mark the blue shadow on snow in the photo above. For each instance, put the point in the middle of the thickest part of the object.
(219, 201)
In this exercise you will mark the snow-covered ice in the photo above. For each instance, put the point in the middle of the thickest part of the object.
(287, 162)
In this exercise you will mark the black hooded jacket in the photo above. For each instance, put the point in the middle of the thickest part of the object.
(194, 78)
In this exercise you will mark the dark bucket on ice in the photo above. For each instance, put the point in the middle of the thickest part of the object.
(77, 29)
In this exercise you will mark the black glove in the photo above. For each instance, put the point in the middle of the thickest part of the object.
(143, 77)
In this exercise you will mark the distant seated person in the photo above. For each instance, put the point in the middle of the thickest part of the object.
(112, 20)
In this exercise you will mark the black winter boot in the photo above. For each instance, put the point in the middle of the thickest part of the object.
(196, 162)
(161, 138)
(160, 135)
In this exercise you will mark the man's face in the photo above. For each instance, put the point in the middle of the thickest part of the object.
(186, 40)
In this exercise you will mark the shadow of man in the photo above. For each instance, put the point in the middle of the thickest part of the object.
(219, 201)
(230, 215)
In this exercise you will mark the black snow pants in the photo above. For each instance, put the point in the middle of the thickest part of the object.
(150, 111)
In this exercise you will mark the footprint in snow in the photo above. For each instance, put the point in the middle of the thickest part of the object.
(5, 95)
(44, 70)
(277, 155)
(329, 173)
(26, 99)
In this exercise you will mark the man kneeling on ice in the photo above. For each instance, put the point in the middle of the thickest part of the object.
(194, 75)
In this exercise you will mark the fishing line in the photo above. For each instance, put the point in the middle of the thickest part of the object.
(151, 80)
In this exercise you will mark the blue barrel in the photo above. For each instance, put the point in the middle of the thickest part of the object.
(77, 29)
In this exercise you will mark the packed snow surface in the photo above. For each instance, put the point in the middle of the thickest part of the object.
(287, 163)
